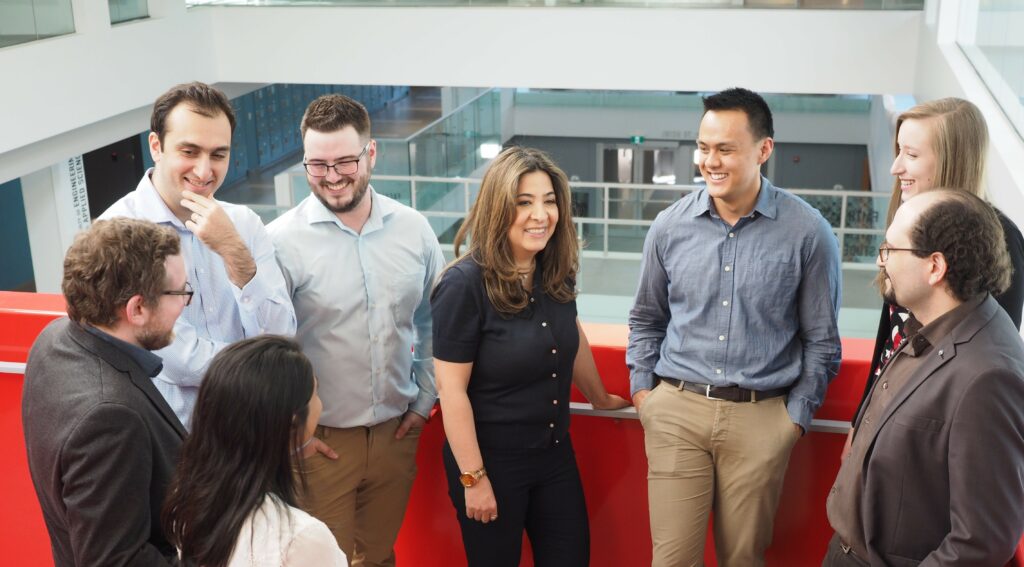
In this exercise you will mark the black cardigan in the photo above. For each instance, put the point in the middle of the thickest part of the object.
(1011, 300)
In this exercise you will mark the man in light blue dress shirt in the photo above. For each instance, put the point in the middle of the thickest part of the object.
(733, 341)
(360, 267)
(239, 290)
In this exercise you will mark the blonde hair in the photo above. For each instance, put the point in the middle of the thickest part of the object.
(960, 143)
(487, 227)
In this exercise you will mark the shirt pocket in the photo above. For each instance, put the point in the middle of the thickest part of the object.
(771, 282)
(405, 291)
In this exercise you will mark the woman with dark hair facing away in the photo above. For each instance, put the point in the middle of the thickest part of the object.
(940, 143)
(232, 502)
(507, 347)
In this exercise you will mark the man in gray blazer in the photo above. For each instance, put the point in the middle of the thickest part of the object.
(934, 474)
(102, 442)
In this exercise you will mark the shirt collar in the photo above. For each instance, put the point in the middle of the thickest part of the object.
(945, 323)
(150, 363)
(151, 204)
(380, 208)
(765, 205)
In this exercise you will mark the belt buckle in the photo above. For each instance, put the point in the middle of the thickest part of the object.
(707, 394)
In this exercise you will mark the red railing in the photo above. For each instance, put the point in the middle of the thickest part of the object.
(609, 449)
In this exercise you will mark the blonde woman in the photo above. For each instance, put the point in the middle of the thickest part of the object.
(507, 346)
(941, 143)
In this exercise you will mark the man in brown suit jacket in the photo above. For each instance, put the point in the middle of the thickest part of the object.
(102, 442)
(935, 473)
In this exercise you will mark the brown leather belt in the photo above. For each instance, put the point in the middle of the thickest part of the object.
(727, 393)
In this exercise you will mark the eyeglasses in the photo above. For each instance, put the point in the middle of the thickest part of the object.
(883, 251)
(187, 292)
(343, 167)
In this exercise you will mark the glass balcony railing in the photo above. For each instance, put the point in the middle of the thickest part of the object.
(785, 4)
(22, 21)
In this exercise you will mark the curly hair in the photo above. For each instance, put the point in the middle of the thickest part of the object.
(112, 262)
(965, 229)
(487, 226)
(333, 112)
(201, 98)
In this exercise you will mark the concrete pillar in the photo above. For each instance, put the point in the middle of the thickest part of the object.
(56, 208)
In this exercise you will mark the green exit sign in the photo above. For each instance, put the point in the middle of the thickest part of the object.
(636, 139)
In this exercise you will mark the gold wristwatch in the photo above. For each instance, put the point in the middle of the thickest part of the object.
(470, 478)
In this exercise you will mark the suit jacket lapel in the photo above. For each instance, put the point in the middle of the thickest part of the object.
(940, 354)
(124, 363)
(145, 383)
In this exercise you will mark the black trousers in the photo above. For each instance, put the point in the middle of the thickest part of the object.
(537, 490)
(835, 557)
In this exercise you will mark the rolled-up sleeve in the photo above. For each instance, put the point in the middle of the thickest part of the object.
(264, 303)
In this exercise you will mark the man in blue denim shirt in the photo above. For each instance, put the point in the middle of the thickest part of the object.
(733, 341)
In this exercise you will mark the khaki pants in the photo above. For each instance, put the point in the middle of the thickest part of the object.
(362, 495)
(705, 454)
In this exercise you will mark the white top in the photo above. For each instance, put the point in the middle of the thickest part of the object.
(220, 313)
(278, 535)
(363, 305)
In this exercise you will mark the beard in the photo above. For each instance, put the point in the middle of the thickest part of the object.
(885, 287)
(152, 338)
(359, 186)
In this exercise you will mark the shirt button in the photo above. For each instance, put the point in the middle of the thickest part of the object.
(721, 337)
(726, 302)
(867, 420)
(202, 271)
(209, 309)
(732, 235)
(557, 441)
(246, 300)
(554, 375)
(551, 425)
(728, 269)
(531, 300)
(544, 324)
(554, 402)
(885, 385)
(718, 371)
(554, 351)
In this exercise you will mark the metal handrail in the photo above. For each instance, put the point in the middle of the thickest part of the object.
(605, 187)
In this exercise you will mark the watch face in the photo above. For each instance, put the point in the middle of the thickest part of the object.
(467, 480)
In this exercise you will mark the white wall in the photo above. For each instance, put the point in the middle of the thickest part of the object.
(795, 51)
(64, 83)
(943, 70)
(74, 93)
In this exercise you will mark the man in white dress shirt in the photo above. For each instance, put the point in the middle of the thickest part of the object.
(239, 291)
(360, 267)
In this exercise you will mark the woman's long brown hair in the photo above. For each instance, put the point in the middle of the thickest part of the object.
(487, 227)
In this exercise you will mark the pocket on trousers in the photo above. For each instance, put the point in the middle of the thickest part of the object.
(662, 437)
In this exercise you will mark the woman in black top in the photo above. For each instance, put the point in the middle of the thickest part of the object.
(507, 346)
(941, 143)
